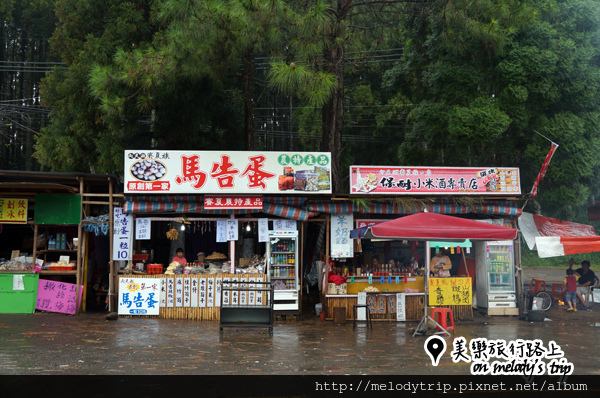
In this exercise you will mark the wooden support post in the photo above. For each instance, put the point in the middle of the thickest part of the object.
(35, 238)
(427, 262)
(465, 261)
(518, 275)
(324, 286)
(232, 251)
(113, 277)
(78, 278)
(300, 267)
(85, 251)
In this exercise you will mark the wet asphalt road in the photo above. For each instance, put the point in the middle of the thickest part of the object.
(88, 344)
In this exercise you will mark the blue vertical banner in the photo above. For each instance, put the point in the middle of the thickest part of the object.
(221, 231)
(122, 234)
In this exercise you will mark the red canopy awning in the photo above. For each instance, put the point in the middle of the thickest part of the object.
(433, 226)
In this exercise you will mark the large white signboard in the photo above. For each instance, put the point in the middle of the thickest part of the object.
(410, 180)
(139, 296)
(227, 172)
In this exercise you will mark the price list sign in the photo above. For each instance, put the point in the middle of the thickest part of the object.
(450, 291)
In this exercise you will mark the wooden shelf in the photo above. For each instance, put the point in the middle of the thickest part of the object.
(47, 272)
(56, 251)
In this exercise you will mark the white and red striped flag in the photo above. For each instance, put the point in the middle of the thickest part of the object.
(543, 169)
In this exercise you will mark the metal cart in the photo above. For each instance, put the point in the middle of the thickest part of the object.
(251, 313)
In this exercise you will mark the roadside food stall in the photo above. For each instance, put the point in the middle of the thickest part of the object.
(487, 195)
(423, 227)
(226, 210)
(43, 229)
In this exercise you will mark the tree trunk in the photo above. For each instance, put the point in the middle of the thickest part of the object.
(333, 110)
(249, 101)
(4, 144)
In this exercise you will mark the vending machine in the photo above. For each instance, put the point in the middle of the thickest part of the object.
(283, 270)
(495, 283)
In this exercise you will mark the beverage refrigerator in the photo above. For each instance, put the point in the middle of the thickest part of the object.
(495, 274)
(283, 270)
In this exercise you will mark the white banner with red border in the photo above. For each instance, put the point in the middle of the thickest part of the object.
(227, 172)
(407, 180)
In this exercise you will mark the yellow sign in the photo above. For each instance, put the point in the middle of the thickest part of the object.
(13, 211)
(450, 291)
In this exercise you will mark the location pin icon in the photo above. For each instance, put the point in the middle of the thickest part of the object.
(435, 347)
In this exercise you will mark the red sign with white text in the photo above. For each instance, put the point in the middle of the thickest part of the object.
(368, 223)
(384, 180)
(233, 202)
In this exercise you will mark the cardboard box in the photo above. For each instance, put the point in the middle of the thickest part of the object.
(244, 262)
(332, 288)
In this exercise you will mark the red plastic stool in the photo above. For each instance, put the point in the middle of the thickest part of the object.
(558, 291)
(536, 285)
(442, 318)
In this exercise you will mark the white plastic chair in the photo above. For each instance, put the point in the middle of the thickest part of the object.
(590, 293)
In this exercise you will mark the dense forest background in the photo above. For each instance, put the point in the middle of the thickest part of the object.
(415, 83)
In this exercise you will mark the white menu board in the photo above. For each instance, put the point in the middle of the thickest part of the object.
(232, 229)
(178, 292)
(170, 292)
(263, 229)
(401, 307)
(143, 228)
(186, 292)
(341, 244)
(285, 225)
(210, 292)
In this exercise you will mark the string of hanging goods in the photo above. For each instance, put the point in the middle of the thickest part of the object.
(172, 233)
